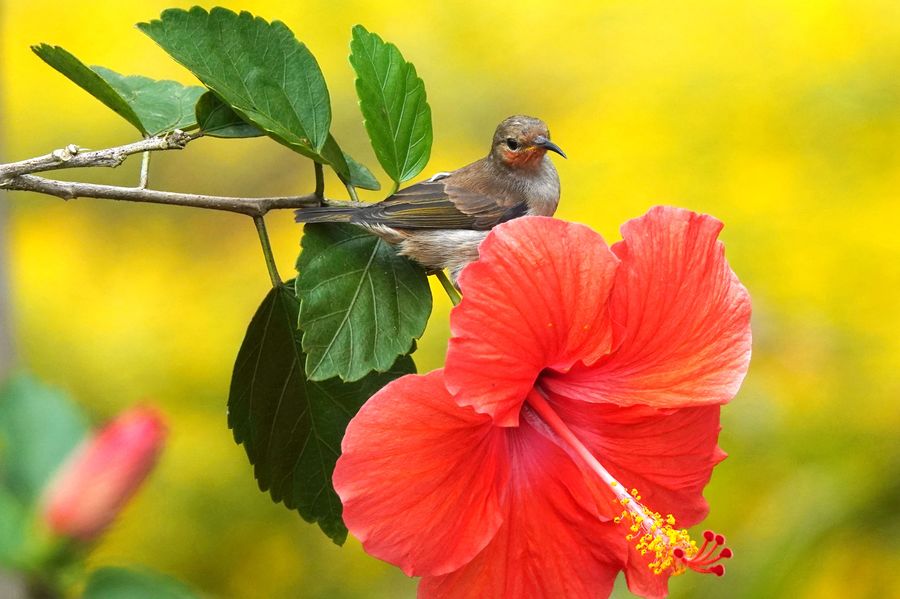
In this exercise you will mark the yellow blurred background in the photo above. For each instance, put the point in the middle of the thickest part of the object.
(780, 118)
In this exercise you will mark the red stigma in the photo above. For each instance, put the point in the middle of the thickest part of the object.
(704, 561)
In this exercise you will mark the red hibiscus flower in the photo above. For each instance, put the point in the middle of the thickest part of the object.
(576, 374)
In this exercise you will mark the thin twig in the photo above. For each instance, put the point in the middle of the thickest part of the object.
(16, 176)
(68, 190)
(145, 170)
(74, 157)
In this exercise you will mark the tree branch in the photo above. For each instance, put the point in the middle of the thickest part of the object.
(74, 157)
(16, 176)
(68, 190)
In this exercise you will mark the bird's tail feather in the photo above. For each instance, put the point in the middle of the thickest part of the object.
(324, 214)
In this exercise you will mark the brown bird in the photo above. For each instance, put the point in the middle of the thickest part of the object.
(440, 222)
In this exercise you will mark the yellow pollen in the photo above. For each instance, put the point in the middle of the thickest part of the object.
(656, 535)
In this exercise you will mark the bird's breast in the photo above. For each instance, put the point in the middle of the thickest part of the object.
(542, 191)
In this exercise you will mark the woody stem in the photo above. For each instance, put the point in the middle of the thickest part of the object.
(145, 170)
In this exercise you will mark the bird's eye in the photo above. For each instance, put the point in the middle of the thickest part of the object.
(512, 144)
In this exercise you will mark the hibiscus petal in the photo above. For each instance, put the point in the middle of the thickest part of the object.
(667, 455)
(421, 478)
(550, 546)
(641, 579)
(535, 298)
(684, 316)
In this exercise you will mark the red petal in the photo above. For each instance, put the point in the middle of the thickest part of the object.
(97, 480)
(550, 546)
(685, 317)
(667, 455)
(641, 579)
(421, 478)
(535, 299)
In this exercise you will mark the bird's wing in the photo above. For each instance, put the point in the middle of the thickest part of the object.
(439, 204)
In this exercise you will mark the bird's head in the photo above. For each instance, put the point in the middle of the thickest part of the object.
(521, 141)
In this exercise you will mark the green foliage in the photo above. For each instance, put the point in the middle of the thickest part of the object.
(293, 391)
(153, 107)
(161, 105)
(269, 77)
(123, 583)
(360, 176)
(363, 305)
(13, 523)
(392, 100)
(39, 427)
(291, 427)
(259, 68)
(216, 118)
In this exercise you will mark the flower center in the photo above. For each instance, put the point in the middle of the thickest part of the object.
(671, 550)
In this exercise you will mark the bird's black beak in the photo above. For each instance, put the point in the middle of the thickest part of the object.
(542, 142)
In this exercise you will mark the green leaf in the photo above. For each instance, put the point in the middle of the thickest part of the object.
(260, 69)
(290, 427)
(362, 303)
(39, 427)
(153, 107)
(88, 80)
(161, 105)
(122, 583)
(392, 100)
(216, 118)
(360, 176)
(13, 526)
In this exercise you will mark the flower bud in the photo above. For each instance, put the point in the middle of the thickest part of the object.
(97, 480)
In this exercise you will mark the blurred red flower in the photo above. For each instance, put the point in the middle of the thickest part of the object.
(575, 372)
(96, 481)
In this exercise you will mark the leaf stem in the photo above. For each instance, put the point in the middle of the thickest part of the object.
(352, 191)
(320, 180)
(145, 170)
(452, 293)
(267, 250)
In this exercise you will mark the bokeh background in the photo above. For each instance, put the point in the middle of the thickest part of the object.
(780, 118)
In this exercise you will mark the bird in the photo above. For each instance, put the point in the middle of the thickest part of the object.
(440, 222)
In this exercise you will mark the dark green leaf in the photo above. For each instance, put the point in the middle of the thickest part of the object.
(392, 100)
(122, 583)
(153, 107)
(161, 105)
(216, 118)
(260, 69)
(362, 303)
(39, 427)
(290, 427)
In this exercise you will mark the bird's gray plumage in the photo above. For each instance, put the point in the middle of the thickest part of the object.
(440, 222)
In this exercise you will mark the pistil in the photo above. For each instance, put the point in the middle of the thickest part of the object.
(672, 549)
